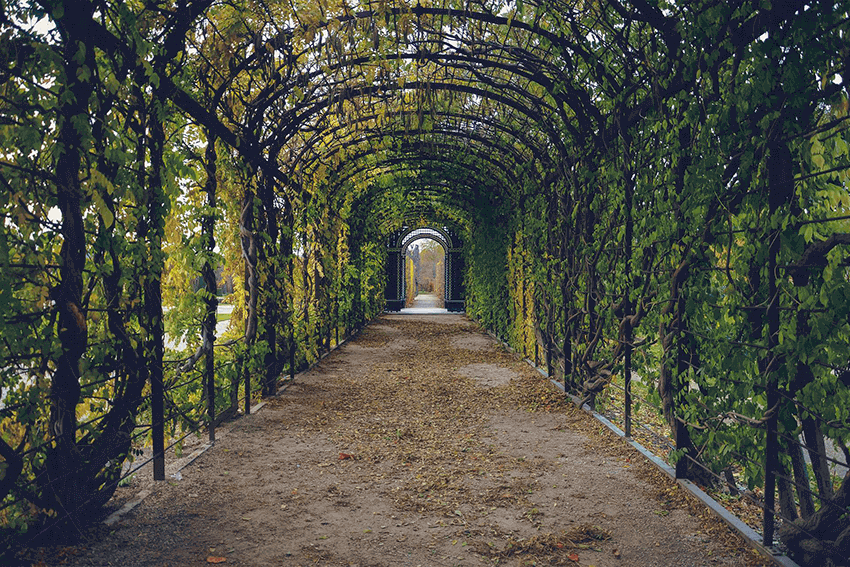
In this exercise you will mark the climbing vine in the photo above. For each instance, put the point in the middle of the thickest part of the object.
(646, 192)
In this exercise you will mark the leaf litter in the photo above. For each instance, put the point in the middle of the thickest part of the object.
(461, 470)
(424, 412)
(553, 548)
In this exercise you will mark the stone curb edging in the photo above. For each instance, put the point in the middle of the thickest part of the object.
(750, 535)
(745, 531)
(172, 469)
(115, 516)
(184, 462)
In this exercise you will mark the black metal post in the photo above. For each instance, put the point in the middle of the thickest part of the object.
(210, 380)
(627, 302)
(158, 426)
(247, 392)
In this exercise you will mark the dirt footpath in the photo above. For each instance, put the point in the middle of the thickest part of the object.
(420, 443)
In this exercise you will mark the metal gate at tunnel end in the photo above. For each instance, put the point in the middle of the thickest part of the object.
(397, 244)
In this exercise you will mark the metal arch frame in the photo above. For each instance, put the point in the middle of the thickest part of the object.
(560, 42)
(433, 190)
(509, 155)
(528, 63)
(444, 239)
(522, 107)
(439, 206)
(436, 173)
(536, 152)
(284, 133)
(420, 162)
(277, 43)
(453, 62)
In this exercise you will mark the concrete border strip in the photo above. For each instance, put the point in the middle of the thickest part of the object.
(115, 516)
(750, 535)
(184, 462)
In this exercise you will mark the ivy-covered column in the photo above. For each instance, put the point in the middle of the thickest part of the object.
(249, 255)
(208, 337)
(63, 459)
(626, 324)
(780, 191)
(152, 230)
(569, 273)
(272, 298)
(675, 359)
(287, 316)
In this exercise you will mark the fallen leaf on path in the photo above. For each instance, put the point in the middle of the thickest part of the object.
(573, 557)
(214, 559)
(343, 456)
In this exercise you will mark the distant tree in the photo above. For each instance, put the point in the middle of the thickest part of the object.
(430, 256)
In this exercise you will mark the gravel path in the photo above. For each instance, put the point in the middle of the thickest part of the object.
(419, 443)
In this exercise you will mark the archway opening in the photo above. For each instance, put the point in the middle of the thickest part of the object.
(425, 274)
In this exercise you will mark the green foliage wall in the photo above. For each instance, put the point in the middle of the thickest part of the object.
(486, 256)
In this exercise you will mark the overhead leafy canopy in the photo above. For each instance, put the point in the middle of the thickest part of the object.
(640, 185)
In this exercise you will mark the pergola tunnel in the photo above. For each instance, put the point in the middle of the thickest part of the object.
(647, 199)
